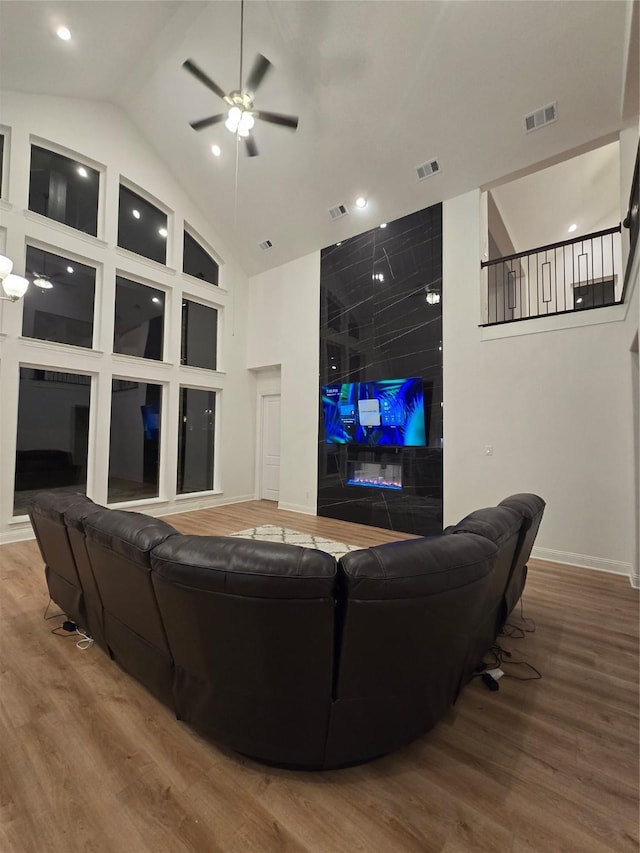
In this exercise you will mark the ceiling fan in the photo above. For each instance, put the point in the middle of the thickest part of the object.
(240, 117)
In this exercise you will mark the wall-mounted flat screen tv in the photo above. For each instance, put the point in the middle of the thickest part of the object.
(387, 412)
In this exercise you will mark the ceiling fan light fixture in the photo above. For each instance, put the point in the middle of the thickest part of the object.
(15, 286)
(6, 265)
(247, 121)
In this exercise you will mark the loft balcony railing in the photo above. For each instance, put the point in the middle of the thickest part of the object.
(561, 278)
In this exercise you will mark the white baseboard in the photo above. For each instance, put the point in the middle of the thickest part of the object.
(304, 509)
(191, 505)
(615, 567)
(634, 580)
(18, 534)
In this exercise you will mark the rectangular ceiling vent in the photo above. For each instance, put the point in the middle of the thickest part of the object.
(266, 244)
(338, 211)
(541, 117)
(432, 167)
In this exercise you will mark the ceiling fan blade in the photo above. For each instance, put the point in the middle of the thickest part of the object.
(252, 148)
(260, 67)
(207, 122)
(277, 118)
(199, 74)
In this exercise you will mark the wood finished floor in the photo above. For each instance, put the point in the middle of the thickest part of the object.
(90, 762)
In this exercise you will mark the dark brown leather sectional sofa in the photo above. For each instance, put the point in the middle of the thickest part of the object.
(276, 650)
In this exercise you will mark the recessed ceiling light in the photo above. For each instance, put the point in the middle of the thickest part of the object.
(155, 299)
(384, 225)
(361, 202)
(83, 172)
(216, 150)
(135, 213)
(339, 244)
(162, 232)
(69, 269)
(63, 33)
(572, 228)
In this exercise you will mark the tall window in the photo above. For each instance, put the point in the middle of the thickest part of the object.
(64, 190)
(142, 227)
(196, 261)
(134, 441)
(59, 304)
(195, 440)
(139, 321)
(199, 340)
(53, 434)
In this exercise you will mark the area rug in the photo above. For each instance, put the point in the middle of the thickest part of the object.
(271, 533)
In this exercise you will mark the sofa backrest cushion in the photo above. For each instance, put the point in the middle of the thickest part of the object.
(531, 508)
(246, 567)
(74, 518)
(119, 545)
(250, 626)
(46, 512)
(501, 526)
(399, 603)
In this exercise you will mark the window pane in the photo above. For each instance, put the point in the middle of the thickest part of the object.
(197, 262)
(134, 441)
(142, 228)
(139, 322)
(53, 434)
(64, 190)
(199, 343)
(58, 306)
(195, 440)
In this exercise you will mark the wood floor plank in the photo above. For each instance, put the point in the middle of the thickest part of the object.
(91, 762)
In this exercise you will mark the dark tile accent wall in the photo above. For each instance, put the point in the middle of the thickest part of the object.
(376, 323)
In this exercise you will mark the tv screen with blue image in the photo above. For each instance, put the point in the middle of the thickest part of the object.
(386, 412)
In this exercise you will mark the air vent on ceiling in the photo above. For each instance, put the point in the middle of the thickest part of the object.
(541, 117)
(338, 211)
(266, 244)
(431, 167)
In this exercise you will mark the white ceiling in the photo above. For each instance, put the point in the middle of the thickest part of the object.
(584, 191)
(380, 87)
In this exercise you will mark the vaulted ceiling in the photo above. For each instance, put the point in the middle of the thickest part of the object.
(380, 88)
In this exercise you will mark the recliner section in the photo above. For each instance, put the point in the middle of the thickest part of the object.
(251, 628)
(119, 546)
(276, 650)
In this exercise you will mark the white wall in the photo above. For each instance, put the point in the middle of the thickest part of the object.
(555, 406)
(104, 137)
(284, 321)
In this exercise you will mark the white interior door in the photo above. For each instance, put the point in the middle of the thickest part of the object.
(270, 479)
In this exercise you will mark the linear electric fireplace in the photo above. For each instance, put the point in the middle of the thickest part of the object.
(374, 475)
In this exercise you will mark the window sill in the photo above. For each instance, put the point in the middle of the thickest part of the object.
(56, 346)
(65, 229)
(140, 259)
